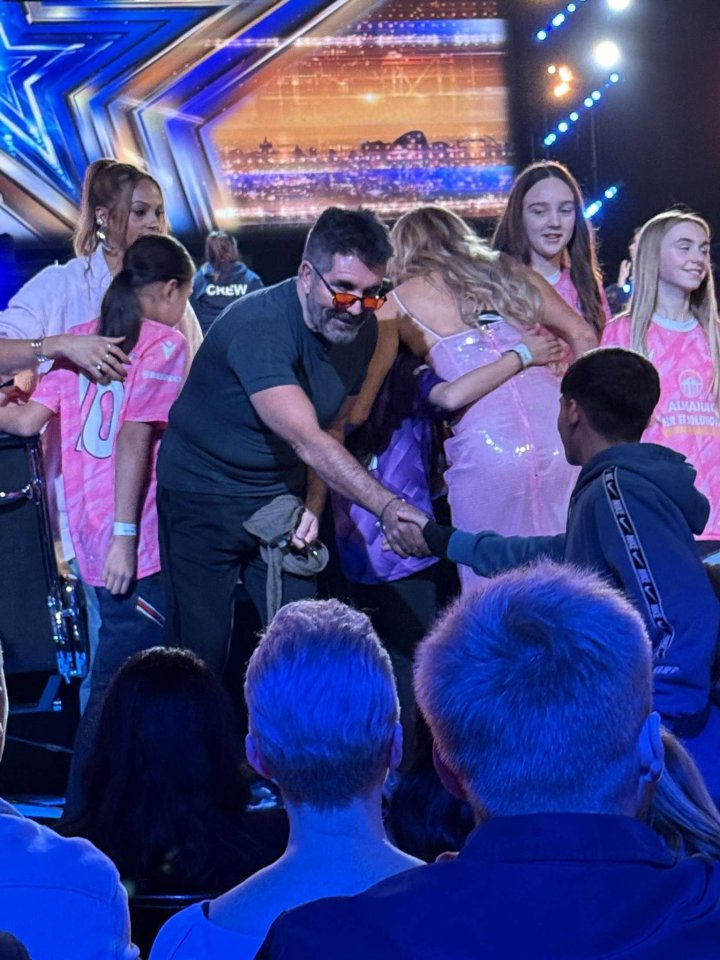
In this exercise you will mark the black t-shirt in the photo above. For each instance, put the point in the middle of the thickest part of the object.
(215, 442)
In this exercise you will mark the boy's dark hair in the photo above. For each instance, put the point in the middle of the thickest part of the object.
(617, 390)
(357, 232)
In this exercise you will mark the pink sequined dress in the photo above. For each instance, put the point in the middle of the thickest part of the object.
(506, 466)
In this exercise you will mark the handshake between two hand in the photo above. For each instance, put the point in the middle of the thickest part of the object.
(402, 524)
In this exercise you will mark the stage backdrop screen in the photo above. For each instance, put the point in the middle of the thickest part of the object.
(257, 112)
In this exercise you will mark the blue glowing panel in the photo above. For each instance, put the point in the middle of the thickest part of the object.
(254, 111)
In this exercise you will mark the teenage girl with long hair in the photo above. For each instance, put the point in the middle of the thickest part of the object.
(673, 320)
(544, 227)
(109, 440)
(475, 315)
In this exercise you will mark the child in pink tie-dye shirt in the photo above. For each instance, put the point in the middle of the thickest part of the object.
(109, 439)
(673, 320)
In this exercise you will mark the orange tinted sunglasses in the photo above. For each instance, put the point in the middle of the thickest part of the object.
(341, 299)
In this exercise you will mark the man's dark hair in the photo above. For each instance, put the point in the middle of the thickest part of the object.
(356, 232)
(617, 390)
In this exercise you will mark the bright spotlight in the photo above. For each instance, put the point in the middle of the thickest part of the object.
(618, 5)
(607, 54)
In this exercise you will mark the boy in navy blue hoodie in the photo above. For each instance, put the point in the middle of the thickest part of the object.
(632, 517)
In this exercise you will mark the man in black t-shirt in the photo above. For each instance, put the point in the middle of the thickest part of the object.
(262, 413)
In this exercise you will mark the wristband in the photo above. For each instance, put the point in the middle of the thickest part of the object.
(124, 529)
(380, 521)
(37, 349)
(523, 351)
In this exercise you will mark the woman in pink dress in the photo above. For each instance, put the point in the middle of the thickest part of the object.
(544, 226)
(673, 320)
(468, 310)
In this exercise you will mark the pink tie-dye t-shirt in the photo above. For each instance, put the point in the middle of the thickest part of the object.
(686, 417)
(567, 290)
(90, 417)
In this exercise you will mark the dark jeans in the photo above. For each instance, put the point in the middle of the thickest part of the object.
(123, 632)
(204, 548)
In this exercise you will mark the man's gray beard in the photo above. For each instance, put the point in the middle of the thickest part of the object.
(322, 321)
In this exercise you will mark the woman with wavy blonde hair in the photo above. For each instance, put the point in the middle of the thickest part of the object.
(673, 320)
(487, 327)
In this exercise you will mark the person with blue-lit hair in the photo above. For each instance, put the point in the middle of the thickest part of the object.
(323, 721)
(537, 690)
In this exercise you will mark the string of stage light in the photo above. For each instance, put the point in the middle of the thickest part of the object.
(562, 17)
(572, 118)
(559, 20)
(592, 209)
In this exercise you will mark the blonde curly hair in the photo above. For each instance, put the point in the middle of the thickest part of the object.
(434, 240)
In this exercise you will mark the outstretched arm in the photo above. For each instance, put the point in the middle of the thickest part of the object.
(23, 420)
(456, 394)
(561, 319)
(99, 357)
(288, 412)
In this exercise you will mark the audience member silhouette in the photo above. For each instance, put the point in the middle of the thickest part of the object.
(538, 693)
(166, 794)
(323, 717)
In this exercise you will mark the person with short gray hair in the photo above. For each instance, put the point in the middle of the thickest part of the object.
(537, 690)
(324, 725)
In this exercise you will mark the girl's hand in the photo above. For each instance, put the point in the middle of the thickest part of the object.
(544, 348)
(100, 357)
(120, 565)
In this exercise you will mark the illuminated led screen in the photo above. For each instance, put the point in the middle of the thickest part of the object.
(257, 112)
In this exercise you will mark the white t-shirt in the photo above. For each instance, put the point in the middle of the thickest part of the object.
(190, 934)
(60, 896)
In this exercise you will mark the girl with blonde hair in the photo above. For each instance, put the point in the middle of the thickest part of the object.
(487, 327)
(673, 320)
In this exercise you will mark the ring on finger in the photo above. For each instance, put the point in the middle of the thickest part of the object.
(105, 358)
(100, 366)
